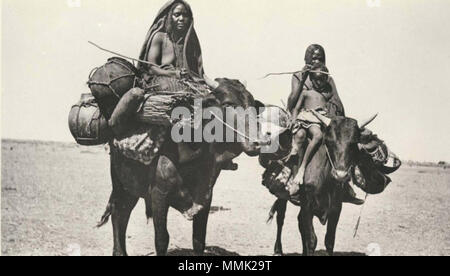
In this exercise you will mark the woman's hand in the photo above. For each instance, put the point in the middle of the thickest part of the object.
(305, 72)
(181, 74)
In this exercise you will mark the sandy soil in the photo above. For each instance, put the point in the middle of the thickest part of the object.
(53, 194)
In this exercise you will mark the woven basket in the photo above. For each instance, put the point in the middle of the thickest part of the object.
(158, 106)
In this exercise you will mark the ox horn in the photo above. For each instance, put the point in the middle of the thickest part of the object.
(367, 122)
(211, 83)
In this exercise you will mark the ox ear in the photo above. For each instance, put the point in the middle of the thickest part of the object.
(209, 100)
(260, 107)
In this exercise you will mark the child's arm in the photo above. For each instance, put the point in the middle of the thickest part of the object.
(295, 94)
(298, 107)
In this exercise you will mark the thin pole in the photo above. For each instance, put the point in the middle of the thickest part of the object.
(120, 55)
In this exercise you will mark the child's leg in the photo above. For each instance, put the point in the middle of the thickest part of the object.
(316, 140)
(296, 157)
(297, 148)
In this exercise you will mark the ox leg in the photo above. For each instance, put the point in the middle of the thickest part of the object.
(306, 227)
(160, 208)
(281, 206)
(330, 237)
(200, 223)
(199, 229)
(121, 211)
(166, 179)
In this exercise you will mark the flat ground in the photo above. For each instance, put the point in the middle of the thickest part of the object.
(53, 194)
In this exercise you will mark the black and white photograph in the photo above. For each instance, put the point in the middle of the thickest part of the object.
(225, 128)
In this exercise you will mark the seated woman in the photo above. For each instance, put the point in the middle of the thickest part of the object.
(173, 46)
(302, 82)
(173, 53)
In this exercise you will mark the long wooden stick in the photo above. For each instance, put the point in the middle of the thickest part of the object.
(292, 73)
(120, 55)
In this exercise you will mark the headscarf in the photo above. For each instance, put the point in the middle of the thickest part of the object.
(334, 106)
(310, 53)
(192, 53)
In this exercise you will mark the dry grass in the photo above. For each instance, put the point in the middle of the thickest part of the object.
(53, 194)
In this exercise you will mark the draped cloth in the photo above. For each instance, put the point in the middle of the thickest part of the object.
(144, 144)
(334, 105)
(191, 53)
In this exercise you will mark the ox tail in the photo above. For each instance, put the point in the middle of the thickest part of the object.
(108, 212)
(105, 218)
(148, 209)
(272, 212)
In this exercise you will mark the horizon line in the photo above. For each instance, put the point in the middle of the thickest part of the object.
(24, 140)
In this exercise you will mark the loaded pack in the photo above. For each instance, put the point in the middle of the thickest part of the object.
(122, 103)
(375, 163)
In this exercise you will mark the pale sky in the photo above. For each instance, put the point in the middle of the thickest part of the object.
(392, 58)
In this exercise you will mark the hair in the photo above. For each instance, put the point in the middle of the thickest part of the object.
(310, 51)
(169, 21)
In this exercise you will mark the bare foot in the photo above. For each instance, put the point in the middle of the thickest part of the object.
(191, 213)
(295, 184)
(293, 187)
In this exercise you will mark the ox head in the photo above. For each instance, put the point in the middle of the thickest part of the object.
(239, 109)
(342, 138)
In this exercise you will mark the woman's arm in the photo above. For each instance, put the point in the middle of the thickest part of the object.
(155, 56)
(336, 100)
(298, 81)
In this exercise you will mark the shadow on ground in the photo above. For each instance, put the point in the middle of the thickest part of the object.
(211, 251)
(215, 209)
(323, 253)
(215, 251)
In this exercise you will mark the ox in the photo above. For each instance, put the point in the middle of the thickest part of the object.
(158, 183)
(322, 192)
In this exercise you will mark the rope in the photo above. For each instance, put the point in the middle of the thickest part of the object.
(329, 157)
(367, 195)
(120, 55)
(331, 161)
(230, 127)
(359, 218)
